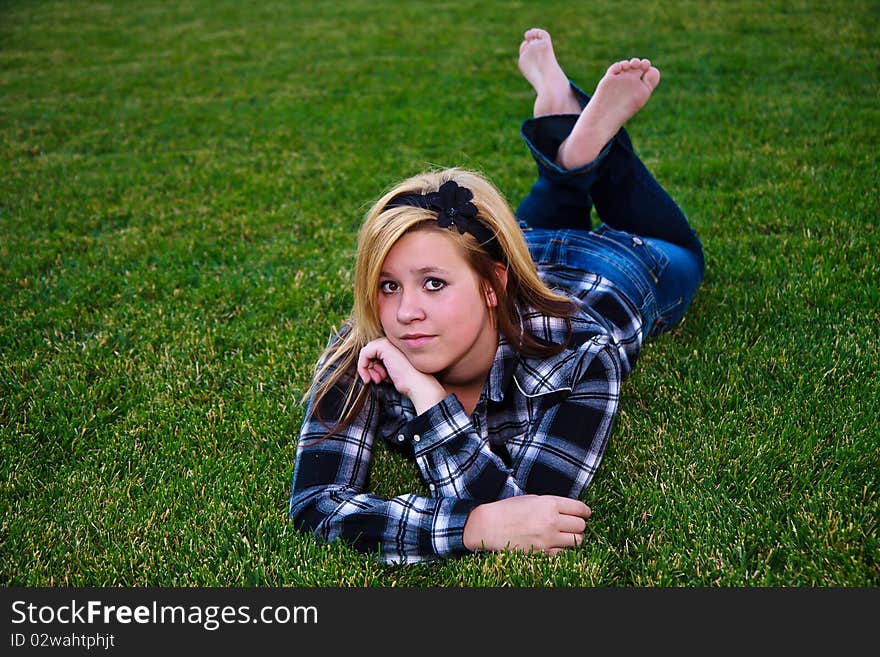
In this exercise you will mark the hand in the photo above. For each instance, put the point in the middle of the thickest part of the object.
(380, 360)
(545, 523)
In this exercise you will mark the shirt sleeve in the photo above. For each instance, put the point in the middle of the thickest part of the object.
(567, 431)
(329, 497)
(454, 459)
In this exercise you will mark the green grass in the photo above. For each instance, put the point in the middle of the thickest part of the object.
(180, 186)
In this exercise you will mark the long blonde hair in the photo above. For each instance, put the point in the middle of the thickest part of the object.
(381, 229)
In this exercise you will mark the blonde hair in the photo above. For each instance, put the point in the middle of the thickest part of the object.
(381, 229)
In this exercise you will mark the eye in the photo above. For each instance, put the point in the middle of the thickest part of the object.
(434, 284)
(388, 287)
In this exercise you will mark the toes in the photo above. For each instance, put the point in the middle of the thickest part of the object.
(634, 64)
(536, 33)
(627, 65)
(652, 77)
(531, 36)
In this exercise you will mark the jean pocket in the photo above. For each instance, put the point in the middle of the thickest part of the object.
(668, 317)
(654, 260)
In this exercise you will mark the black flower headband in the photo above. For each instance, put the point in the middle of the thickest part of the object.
(453, 206)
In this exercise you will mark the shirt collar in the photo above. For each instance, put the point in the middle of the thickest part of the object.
(533, 376)
(503, 368)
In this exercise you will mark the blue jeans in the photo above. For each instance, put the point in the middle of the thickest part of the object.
(643, 243)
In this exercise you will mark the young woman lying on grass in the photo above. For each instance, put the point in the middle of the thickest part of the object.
(489, 347)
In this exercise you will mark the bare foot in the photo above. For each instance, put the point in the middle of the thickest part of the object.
(623, 91)
(538, 64)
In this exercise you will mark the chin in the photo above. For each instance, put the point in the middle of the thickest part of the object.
(427, 365)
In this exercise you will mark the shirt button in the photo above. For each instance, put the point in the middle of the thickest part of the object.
(431, 487)
(417, 438)
(637, 241)
(400, 438)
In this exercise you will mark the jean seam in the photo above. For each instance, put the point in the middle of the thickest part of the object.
(653, 261)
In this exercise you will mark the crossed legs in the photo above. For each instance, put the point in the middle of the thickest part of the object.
(584, 154)
(621, 93)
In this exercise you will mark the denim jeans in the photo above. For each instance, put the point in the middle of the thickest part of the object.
(643, 243)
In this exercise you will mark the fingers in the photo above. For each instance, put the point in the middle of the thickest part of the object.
(373, 371)
(564, 542)
(568, 526)
(571, 524)
(571, 532)
(568, 506)
(369, 365)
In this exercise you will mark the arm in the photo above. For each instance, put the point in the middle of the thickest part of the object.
(557, 458)
(564, 426)
(329, 497)
(453, 458)
(330, 477)
(566, 405)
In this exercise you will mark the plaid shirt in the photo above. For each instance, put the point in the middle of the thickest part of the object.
(541, 426)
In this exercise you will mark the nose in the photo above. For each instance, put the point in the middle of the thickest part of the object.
(410, 308)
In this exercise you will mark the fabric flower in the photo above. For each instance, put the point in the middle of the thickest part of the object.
(452, 202)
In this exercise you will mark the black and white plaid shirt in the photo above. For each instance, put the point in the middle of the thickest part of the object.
(541, 426)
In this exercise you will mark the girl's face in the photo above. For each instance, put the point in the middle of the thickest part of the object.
(436, 310)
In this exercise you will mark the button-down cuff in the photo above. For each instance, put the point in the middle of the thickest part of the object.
(437, 425)
(448, 534)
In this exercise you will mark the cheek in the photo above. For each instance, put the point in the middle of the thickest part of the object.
(386, 312)
(464, 311)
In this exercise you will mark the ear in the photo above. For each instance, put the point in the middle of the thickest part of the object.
(500, 271)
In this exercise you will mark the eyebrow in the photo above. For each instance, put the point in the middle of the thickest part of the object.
(430, 269)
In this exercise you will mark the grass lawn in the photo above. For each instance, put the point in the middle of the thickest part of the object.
(180, 187)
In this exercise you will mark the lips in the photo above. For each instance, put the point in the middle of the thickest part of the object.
(416, 340)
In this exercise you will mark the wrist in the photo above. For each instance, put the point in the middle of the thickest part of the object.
(427, 395)
(474, 534)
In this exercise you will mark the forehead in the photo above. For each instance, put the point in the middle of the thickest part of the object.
(425, 248)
